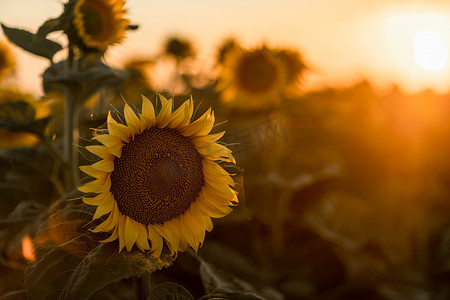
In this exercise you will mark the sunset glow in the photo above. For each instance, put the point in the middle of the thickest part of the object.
(430, 51)
(381, 36)
(225, 149)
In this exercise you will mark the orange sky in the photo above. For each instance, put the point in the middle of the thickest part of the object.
(343, 41)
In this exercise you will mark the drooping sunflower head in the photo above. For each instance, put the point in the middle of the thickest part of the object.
(7, 61)
(99, 23)
(159, 178)
(252, 79)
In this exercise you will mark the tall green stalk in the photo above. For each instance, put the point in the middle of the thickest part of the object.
(70, 140)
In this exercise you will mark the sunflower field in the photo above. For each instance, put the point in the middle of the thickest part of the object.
(239, 185)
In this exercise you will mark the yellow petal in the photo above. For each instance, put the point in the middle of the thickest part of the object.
(95, 186)
(94, 200)
(105, 206)
(132, 120)
(148, 111)
(212, 179)
(212, 210)
(207, 140)
(229, 158)
(104, 165)
(223, 191)
(131, 233)
(110, 222)
(107, 140)
(189, 110)
(178, 116)
(164, 114)
(208, 126)
(195, 222)
(121, 225)
(208, 223)
(146, 122)
(116, 150)
(89, 170)
(197, 125)
(214, 149)
(155, 239)
(206, 220)
(113, 236)
(216, 202)
(118, 130)
(171, 233)
(183, 245)
(100, 151)
(187, 233)
(214, 168)
(142, 239)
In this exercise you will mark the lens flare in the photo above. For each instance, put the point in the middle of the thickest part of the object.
(27, 248)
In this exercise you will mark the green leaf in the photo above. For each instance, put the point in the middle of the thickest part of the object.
(214, 278)
(228, 259)
(19, 116)
(88, 81)
(25, 211)
(220, 284)
(170, 291)
(104, 265)
(27, 173)
(71, 262)
(31, 42)
(49, 26)
(17, 111)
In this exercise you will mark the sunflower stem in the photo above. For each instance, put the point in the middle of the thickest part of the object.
(70, 137)
(142, 286)
(60, 164)
(68, 142)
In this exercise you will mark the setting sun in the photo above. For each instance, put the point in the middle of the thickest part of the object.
(430, 52)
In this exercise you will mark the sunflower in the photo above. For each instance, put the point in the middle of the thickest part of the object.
(100, 23)
(179, 48)
(159, 178)
(38, 109)
(294, 64)
(226, 47)
(7, 62)
(251, 79)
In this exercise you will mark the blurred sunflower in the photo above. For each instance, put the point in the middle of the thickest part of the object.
(38, 109)
(294, 65)
(7, 61)
(137, 80)
(179, 48)
(252, 79)
(227, 46)
(100, 23)
(159, 178)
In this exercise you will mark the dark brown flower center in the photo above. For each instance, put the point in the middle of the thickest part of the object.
(97, 20)
(157, 177)
(256, 73)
